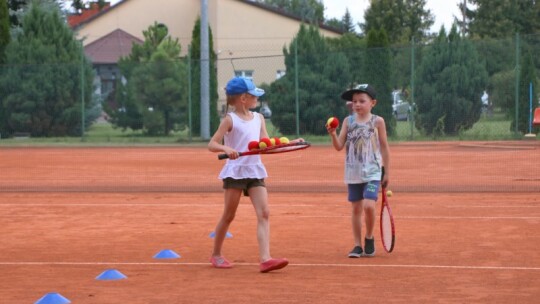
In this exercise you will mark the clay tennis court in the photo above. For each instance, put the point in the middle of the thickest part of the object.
(467, 218)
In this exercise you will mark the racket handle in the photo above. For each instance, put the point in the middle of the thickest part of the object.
(224, 156)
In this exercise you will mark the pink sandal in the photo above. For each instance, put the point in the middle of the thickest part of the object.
(220, 262)
(273, 264)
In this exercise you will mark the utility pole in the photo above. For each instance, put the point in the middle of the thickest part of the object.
(205, 73)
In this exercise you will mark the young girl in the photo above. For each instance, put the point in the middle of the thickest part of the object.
(243, 174)
(363, 134)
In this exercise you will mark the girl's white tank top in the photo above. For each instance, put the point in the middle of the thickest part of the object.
(242, 132)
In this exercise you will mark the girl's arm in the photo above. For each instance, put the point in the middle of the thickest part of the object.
(215, 142)
(338, 141)
(264, 133)
(385, 149)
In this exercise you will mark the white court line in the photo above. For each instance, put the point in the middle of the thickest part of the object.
(147, 205)
(492, 207)
(429, 217)
(458, 218)
(206, 264)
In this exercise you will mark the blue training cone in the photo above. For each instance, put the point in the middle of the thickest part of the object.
(228, 235)
(166, 254)
(53, 298)
(111, 274)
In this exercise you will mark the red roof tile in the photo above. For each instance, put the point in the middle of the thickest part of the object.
(76, 19)
(109, 48)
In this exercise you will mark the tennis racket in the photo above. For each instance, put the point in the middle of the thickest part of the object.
(282, 148)
(388, 230)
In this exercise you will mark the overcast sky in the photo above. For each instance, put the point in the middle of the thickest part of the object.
(444, 10)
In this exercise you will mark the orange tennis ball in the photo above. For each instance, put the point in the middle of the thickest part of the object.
(284, 140)
(264, 142)
(253, 145)
(333, 122)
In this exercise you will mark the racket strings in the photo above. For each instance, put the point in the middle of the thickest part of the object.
(386, 229)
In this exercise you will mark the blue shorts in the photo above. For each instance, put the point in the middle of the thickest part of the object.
(369, 190)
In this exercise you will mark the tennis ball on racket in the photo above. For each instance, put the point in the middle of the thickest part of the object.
(253, 145)
(333, 122)
(389, 193)
(284, 140)
(275, 140)
(264, 142)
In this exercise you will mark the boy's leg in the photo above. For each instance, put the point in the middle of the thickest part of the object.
(370, 200)
(369, 242)
(370, 216)
(356, 221)
(232, 199)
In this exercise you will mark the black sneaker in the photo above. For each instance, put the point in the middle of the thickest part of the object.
(370, 247)
(356, 252)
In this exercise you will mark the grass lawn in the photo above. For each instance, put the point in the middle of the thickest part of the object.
(495, 127)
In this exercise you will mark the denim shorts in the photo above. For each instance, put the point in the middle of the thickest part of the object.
(369, 190)
(244, 184)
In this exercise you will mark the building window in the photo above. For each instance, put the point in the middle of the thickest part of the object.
(244, 73)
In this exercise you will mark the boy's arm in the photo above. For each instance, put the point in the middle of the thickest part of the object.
(385, 150)
(338, 141)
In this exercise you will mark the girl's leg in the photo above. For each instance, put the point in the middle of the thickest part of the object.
(356, 221)
(259, 199)
(232, 199)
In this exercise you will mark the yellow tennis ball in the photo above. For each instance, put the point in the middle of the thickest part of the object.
(273, 141)
(389, 193)
(284, 140)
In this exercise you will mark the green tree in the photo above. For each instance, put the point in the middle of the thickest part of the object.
(4, 30)
(503, 18)
(16, 6)
(377, 73)
(311, 11)
(41, 87)
(450, 81)
(502, 87)
(128, 113)
(527, 77)
(402, 19)
(354, 48)
(4, 41)
(160, 86)
(320, 80)
(195, 52)
(345, 24)
(154, 95)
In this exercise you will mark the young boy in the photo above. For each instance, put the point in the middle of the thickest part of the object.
(363, 135)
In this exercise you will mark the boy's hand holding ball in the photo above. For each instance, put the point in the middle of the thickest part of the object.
(332, 122)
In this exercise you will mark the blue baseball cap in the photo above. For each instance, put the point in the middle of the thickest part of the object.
(240, 85)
